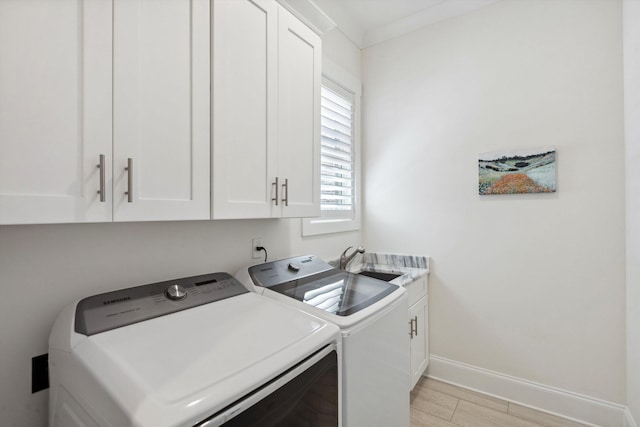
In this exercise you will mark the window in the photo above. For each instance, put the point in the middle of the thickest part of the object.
(336, 153)
(339, 139)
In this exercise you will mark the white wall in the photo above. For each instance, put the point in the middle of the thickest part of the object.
(632, 138)
(340, 50)
(531, 286)
(45, 267)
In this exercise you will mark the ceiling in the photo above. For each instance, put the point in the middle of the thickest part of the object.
(368, 22)
(375, 13)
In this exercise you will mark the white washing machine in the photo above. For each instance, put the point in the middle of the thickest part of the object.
(199, 351)
(372, 316)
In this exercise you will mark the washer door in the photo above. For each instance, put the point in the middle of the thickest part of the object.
(307, 394)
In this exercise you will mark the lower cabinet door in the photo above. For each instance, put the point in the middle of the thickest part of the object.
(418, 316)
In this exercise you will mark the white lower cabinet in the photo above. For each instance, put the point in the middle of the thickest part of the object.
(265, 113)
(104, 113)
(418, 328)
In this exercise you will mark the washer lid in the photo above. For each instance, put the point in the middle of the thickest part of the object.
(184, 366)
(316, 283)
(337, 292)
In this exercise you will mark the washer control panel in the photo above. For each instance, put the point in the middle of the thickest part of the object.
(103, 312)
(176, 292)
(294, 267)
(284, 270)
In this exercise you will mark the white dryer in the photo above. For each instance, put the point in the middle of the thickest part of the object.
(372, 316)
(199, 351)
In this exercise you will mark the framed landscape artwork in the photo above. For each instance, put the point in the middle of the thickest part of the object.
(518, 171)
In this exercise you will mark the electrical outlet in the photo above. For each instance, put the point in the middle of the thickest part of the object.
(256, 242)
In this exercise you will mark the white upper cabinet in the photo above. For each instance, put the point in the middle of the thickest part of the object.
(299, 71)
(266, 100)
(55, 111)
(161, 96)
(245, 78)
(85, 80)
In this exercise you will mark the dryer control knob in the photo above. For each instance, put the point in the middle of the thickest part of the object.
(175, 292)
(294, 267)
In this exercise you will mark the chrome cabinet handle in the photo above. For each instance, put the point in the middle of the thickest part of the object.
(415, 322)
(101, 190)
(275, 199)
(129, 170)
(285, 192)
(413, 327)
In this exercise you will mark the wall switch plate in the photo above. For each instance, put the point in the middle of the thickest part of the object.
(39, 373)
(257, 242)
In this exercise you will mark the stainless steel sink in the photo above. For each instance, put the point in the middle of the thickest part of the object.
(387, 277)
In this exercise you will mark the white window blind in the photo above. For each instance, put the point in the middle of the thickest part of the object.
(337, 156)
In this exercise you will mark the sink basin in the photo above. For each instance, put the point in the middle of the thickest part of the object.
(387, 277)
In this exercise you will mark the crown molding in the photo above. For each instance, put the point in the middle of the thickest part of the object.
(431, 15)
(309, 13)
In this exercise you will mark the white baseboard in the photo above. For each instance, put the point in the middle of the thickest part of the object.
(628, 419)
(566, 404)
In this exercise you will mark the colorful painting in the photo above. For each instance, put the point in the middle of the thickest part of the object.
(515, 172)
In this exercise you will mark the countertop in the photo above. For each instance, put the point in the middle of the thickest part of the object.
(411, 267)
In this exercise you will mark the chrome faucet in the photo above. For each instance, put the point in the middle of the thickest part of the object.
(345, 260)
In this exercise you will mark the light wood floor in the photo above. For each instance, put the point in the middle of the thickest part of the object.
(438, 404)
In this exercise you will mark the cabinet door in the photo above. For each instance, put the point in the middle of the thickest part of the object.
(299, 116)
(161, 109)
(245, 106)
(55, 110)
(419, 340)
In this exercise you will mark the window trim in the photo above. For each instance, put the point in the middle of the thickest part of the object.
(326, 224)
